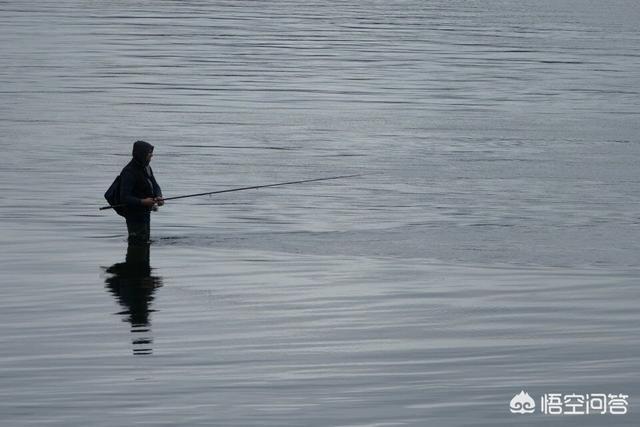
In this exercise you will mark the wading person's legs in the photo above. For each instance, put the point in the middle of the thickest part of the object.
(139, 232)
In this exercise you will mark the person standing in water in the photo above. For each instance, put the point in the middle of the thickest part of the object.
(140, 193)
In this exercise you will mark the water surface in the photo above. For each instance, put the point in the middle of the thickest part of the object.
(493, 250)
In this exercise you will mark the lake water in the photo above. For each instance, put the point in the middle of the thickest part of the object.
(491, 248)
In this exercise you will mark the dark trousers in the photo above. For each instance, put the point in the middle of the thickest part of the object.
(139, 231)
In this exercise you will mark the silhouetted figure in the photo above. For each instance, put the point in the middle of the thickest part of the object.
(140, 192)
(133, 286)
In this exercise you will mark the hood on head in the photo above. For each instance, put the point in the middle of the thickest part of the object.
(140, 151)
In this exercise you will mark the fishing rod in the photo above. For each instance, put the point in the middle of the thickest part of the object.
(253, 187)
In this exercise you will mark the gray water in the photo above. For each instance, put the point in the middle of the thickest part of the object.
(492, 249)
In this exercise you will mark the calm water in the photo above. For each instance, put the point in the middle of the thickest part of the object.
(495, 249)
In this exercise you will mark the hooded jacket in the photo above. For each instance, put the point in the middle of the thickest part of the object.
(137, 183)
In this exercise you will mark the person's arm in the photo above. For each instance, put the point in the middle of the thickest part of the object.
(126, 192)
(156, 189)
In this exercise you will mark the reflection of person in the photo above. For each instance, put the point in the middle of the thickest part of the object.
(132, 284)
(140, 192)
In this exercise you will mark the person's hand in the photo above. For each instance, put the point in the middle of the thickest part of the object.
(159, 201)
(149, 202)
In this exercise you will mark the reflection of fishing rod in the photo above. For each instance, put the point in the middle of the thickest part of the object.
(242, 188)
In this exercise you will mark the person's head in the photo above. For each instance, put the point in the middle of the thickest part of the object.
(142, 152)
